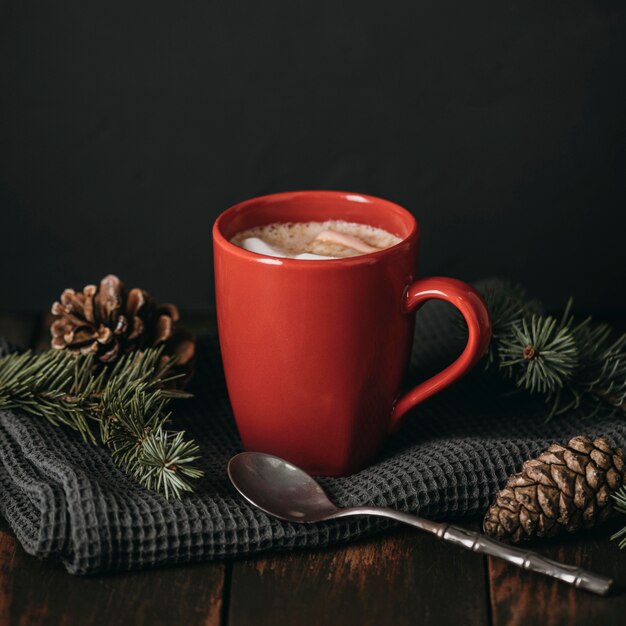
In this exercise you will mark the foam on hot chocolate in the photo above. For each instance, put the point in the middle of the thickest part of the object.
(332, 239)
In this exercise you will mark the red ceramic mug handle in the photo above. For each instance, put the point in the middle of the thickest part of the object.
(473, 308)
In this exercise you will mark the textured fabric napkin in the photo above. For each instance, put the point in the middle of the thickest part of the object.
(65, 499)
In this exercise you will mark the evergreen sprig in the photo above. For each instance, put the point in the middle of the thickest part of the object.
(508, 304)
(569, 363)
(548, 356)
(124, 407)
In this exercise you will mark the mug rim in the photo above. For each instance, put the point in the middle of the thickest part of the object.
(350, 196)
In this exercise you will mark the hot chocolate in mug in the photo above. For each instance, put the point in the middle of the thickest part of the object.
(314, 351)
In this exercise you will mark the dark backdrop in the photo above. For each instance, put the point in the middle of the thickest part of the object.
(126, 127)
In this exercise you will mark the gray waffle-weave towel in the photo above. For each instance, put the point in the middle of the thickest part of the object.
(66, 500)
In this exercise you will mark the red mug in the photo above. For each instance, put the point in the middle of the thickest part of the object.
(314, 351)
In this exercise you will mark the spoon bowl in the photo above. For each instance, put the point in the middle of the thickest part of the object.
(279, 488)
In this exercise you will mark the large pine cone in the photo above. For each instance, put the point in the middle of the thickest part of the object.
(107, 322)
(566, 488)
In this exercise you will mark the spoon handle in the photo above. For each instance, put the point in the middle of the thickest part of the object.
(526, 559)
(477, 542)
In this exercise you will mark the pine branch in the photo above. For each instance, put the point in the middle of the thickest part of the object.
(569, 363)
(507, 304)
(124, 407)
(602, 371)
(538, 354)
(53, 385)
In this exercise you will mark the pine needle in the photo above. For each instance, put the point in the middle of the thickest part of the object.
(123, 407)
(538, 354)
(507, 304)
(571, 363)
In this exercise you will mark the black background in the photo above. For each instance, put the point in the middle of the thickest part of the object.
(125, 128)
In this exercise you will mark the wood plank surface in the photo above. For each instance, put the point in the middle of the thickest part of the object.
(519, 597)
(37, 592)
(406, 577)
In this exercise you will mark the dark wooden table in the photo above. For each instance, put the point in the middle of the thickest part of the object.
(403, 577)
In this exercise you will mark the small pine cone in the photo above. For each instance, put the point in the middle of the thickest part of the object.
(107, 322)
(566, 488)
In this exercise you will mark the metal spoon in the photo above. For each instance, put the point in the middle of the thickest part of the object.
(287, 492)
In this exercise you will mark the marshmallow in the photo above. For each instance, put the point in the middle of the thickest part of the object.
(254, 244)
